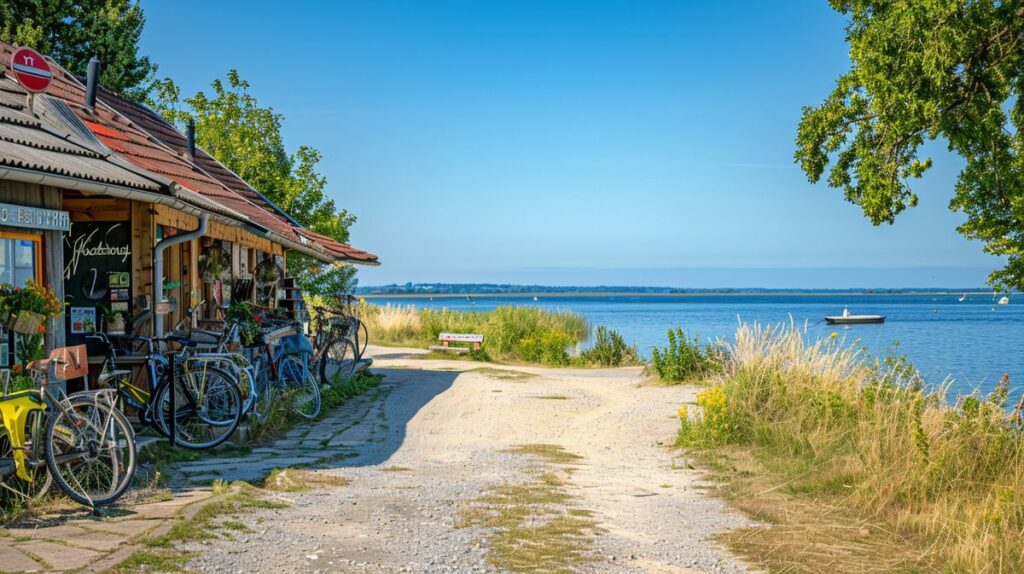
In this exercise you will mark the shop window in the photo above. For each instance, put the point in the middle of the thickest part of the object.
(20, 262)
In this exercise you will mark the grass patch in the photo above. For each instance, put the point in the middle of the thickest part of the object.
(297, 480)
(202, 526)
(532, 527)
(856, 465)
(151, 561)
(503, 374)
(396, 469)
(549, 453)
(552, 397)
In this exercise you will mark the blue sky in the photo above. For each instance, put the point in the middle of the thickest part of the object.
(587, 142)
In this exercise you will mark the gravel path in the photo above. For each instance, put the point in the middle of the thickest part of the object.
(434, 438)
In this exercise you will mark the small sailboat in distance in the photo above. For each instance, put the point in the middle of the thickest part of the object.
(847, 319)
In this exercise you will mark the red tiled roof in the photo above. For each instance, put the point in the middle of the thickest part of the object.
(155, 125)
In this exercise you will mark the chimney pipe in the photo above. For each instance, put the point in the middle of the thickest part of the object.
(91, 82)
(190, 133)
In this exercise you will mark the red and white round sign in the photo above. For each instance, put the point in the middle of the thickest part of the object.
(31, 70)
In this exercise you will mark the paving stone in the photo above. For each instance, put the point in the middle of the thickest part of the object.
(50, 532)
(13, 560)
(97, 540)
(132, 527)
(58, 556)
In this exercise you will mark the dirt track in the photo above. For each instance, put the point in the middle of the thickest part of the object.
(435, 442)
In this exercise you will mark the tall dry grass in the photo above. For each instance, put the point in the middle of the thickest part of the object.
(867, 437)
(525, 334)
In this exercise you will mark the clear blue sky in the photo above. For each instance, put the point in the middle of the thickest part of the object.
(584, 142)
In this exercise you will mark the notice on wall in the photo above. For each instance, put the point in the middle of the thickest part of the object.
(82, 320)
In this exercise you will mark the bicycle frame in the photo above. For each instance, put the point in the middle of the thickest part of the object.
(15, 409)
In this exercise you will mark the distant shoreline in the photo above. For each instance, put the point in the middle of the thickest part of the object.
(563, 295)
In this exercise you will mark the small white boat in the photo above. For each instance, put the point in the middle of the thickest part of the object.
(1004, 300)
(847, 319)
(962, 299)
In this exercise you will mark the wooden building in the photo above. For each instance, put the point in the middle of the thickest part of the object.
(95, 190)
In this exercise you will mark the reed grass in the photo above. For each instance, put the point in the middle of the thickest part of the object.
(865, 440)
(513, 334)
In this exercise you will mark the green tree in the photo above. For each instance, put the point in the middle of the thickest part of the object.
(246, 137)
(73, 31)
(924, 70)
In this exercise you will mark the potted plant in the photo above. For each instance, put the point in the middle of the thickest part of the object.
(248, 323)
(115, 320)
(26, 309)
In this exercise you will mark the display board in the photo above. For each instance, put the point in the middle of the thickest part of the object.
(97, 278)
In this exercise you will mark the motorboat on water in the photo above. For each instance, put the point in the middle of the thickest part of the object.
(1004, 300)
(847, 319)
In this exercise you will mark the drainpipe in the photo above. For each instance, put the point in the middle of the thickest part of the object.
(158, 267)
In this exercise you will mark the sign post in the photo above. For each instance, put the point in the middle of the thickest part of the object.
(31, 70)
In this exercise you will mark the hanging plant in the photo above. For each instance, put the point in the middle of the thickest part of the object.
(213, 264)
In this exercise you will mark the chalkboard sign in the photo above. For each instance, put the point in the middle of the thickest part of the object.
(97, 277)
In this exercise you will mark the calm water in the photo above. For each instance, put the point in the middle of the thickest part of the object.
(975, 341)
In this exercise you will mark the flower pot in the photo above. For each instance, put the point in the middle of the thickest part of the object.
(27, 323)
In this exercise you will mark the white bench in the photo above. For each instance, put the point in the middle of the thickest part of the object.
(448, 338)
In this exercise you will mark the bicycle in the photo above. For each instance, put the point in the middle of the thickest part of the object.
(86, 446)
(286, 365)
(208, 403)
(336, 341)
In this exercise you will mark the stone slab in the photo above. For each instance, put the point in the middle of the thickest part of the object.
(58, 556)
(131, 528)
(13, 560)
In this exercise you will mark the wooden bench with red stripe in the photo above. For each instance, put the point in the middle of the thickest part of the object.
(448, 338)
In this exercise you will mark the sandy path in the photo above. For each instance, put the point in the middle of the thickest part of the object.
(434, 440)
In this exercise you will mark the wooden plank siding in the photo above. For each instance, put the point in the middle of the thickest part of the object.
(166, 216)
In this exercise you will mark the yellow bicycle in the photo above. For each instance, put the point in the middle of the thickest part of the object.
(80, 441)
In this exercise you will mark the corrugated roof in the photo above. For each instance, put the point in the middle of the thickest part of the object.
(26, 143)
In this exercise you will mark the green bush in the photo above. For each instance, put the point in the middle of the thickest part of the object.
(547, 348)
(683, 360)
(609, 350)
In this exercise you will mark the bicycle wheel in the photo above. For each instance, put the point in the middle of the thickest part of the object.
(364, 338)
(40, 479)
(297, 380)
(90, 451)
(264, 395)
(208, 408)
(338, 362)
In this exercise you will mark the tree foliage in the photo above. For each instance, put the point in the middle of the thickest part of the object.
(923, 70)
(73, 31)
(246, 137)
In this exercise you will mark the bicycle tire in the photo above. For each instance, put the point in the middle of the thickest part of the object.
(67, 436)
(264, 395)
(338, 362)
(230, 408)
(296, 378)
(364, 340)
